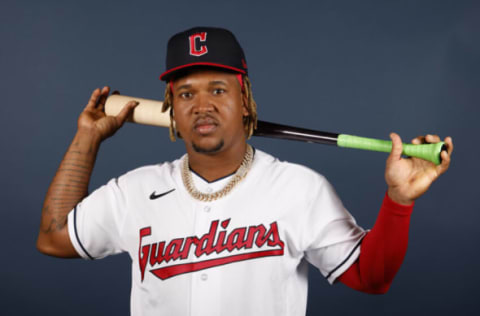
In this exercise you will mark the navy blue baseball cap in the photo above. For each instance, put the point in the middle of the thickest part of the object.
(204, 47)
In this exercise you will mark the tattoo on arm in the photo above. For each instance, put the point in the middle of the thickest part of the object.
(69, 185)
(56, 224)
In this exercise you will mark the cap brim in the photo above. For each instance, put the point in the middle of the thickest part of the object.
(170, 72)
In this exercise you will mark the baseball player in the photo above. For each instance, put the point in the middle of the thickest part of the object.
(226, 229)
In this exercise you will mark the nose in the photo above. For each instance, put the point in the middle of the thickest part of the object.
(203, 104)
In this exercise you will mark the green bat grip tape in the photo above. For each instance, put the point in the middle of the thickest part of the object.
(430, 152)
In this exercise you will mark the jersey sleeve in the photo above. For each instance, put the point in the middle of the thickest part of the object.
(95, 224)
(333, 238)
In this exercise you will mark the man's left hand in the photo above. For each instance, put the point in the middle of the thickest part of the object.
(409, 178)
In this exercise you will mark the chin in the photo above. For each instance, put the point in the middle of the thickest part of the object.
(208, 149)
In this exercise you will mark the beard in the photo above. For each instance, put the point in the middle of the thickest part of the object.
(211, 150)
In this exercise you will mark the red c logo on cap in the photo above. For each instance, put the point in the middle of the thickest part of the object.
(202, 37)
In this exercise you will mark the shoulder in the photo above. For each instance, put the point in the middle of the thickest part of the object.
(286, 172)
(290, 183)
(155, 172)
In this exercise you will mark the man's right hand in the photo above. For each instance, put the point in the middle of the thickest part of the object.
(93, 120)
(70, 183)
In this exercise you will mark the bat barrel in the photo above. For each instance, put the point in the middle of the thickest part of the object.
(148, 112)
(273, 130)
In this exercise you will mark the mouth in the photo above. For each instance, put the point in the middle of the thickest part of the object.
(205, 125)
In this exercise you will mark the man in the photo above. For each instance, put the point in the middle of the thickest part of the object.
(226, 229)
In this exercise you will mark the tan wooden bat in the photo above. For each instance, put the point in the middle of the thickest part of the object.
(147, 112)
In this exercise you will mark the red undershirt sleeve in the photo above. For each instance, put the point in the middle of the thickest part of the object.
(382, 250)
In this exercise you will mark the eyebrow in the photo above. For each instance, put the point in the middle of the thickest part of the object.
(215, 82)
(211, 83)
(184, 86)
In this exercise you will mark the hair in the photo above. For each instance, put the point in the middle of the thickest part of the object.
(249, 122)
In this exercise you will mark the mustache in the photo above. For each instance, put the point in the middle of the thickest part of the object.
(205, 119)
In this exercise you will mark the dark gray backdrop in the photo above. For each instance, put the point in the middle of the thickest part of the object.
(358, 67)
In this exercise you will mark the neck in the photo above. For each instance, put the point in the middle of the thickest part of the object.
(214, 166)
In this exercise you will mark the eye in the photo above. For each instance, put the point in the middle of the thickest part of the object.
(186, 95)
(218, 91)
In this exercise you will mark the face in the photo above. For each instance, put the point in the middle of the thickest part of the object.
(209, 107)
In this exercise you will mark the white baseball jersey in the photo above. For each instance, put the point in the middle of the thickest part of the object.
(243, 254)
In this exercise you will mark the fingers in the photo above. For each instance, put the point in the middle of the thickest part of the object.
(396, 153)
(427, 139)
(126, 112)
(97, 99)
(418, 140)
(93, 99)
(432, 139)
(103, 97)
(449, 143)
(445, 163)
(446, 156)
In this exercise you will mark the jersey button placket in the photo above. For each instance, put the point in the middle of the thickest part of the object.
(205, 302)
(203, 289)
(205, 283)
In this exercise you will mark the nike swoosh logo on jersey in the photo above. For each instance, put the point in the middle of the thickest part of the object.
(154, 196)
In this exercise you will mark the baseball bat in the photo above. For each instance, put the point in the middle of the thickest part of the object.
(149, 112)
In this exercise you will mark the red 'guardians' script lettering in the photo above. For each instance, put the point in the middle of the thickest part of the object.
(202, 37)
(215, 241)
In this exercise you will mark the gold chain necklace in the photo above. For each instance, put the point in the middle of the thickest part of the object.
(236, 178)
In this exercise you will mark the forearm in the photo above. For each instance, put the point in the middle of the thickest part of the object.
(382, 250)
(68, 188)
